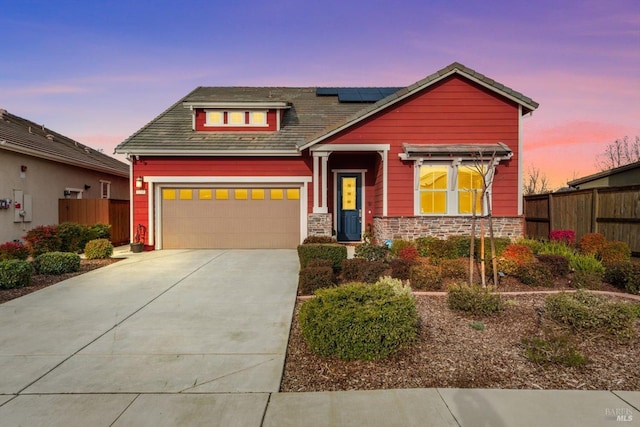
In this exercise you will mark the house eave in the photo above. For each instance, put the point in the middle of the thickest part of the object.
(236, 104)
(61, 159)
(214, 153)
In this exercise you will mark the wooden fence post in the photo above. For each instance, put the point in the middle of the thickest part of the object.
(550, 213)
(594, 210)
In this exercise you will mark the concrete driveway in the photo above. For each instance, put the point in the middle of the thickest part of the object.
(162, 338)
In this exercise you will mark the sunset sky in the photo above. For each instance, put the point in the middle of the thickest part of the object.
(98, 71)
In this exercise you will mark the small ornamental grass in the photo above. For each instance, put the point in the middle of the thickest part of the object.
(360, 321)
(15, 273)
(98, 249)
(474, 300)
(57, 263)
(554, 347)
(585, 311)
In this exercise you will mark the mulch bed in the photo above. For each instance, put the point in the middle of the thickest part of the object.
(40, 281)
(450, 353)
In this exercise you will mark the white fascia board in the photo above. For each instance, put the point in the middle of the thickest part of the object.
(350, 147)
(227, 179)
(60, 159)
(236, 104)
(220, 153)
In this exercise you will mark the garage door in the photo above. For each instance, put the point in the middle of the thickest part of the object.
(230, 218)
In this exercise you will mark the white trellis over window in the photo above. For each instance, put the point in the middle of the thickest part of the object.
(448, 176)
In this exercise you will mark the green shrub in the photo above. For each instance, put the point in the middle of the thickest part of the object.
(362, 270)
(461, 246)
(73, 237)
(15, 273)
(455, 268)
(99, 231)
(533, 244)
(555, 348)
(586, 264)
(425, 276)
(401, 268)
(592, 243)
(585, 311)
(506, 266)
(334, 252)
(98, 249)
(477, 325)
(57, 263)
(310, 279)
(319, 239)
(474, 300)
(556, 248)
(320, 263)
(424, 245)
(43, 239)
(587, 280)
(13, 250)
(632, 282)
(615, 252)
(558, 265)
(534, 274)
(616, 273)
(398, 244)
(371, 251)
(358, 321)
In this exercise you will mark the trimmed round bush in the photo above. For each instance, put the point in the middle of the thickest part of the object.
(521, 254)
(534, 274)
(455, 268)
(362, 270)
(401, 268)
(558, 265)
(57, 263)
(615, 252)
(311, 279)
(43, 239)
(73, 236)
(592, 243)
(360, 321)
(474, 299)
(98, 249)
(332, 251)
(425, 276)
(15, 273)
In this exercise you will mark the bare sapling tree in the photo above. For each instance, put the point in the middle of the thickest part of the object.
(536, 182)
(619, 153)
(486, 169)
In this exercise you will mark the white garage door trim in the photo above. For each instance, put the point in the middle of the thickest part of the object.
(156, 183)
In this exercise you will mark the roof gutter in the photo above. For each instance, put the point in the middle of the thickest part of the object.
(61, 159)
(220, 153)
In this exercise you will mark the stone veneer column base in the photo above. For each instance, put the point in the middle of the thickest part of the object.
(412, 227)
(319, 224)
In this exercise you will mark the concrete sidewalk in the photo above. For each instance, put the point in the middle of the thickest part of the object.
(187, 338)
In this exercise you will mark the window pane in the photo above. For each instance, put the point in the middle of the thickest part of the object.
(214, 117)
(465, 199)
(433, 202)
(236, 117)
(258, 118)
(186, 194)
(348, 193)
(433, 177)
(469, 178)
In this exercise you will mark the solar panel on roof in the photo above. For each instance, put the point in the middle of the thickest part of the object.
(357, 94)
(326, 91)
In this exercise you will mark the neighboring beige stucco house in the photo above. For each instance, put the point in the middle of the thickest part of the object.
(39, 166)
(616, 177)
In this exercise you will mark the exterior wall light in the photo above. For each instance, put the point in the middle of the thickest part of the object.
(139, 182)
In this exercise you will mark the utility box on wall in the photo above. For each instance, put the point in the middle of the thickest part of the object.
(22, 207)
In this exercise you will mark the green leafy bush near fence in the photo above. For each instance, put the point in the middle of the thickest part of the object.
(43, 239)
(57, 263)
(615, 252)
(360, 321)
(15, 273)
(334, 252)
(98, 249)
(585, 311)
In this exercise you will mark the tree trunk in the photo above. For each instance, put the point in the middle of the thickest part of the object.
(473, 239)
(482, 266)
(494, 261)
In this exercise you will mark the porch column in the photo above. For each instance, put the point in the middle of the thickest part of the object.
(320, 174)
(384, 154)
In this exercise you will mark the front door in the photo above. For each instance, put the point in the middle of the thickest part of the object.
(349, 213)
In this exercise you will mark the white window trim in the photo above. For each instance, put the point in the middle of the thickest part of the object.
(226, 113)
(108, 186)
(452, 190)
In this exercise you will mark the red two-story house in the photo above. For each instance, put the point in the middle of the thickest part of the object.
(264, 167)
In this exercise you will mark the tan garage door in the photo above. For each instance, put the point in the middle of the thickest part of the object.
(230, 218)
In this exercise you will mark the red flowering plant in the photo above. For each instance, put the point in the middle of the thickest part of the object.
(515, 256)
(13, 250)
(564, 236)
(43, 239)
(409, 252)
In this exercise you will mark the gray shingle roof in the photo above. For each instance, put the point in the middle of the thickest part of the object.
(310, 119)
(24, 136)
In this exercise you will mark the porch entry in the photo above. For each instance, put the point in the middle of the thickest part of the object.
(349, 207)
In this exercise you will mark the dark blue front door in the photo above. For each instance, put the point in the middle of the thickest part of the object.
(349, 207)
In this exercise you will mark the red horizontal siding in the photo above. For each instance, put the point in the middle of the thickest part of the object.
(454, 111)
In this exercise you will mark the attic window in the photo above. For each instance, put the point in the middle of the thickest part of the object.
(235, 118)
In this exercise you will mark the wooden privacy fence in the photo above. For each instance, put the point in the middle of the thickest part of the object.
(614, 212)
(92, 211)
